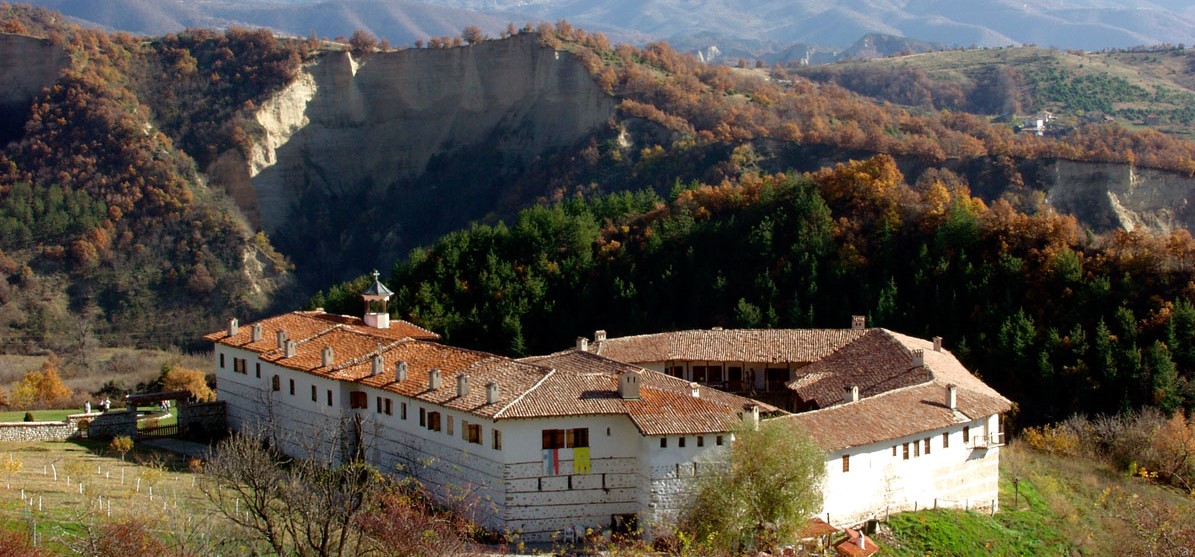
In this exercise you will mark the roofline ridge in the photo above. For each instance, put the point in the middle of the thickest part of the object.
(366, 356)
(498, 414)
(862, 399)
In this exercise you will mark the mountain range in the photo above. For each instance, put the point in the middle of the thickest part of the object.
(774, 24)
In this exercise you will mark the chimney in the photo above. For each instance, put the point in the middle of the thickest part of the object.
(462, 385)
(400, 371)
(433, 379)
(628, 385)
(852, 394)
(751, 418)
(582, 344)
(281, 338)
(291, 348)
(257, 332)
(862, 540)
(378, 366)
(599, 336)
(952, 397)
(234, 327)
(858, 322)
(491, 393)
(918, 358)
(937, 344)
(328, 359)
(695, 390)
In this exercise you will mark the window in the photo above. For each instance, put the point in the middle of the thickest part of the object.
(314, 398)
(700, 441)
(402, 410)
(718, 440)
(422, 417)
(329, 397)
(916, 449)
(238, 365)
(565, 438)
(389, 407)
(257, 366)
(846, 463)
(276, 383)
(663, 442)
(927, 445)
(946, 440)
(221, 361)
(906, 451)
(472, 432)
(893, 450)
(966, 435)
(358, 399)
(433, 421)
(497, 439)
(450, 425)
(292, 387)
(378, 405)
(680, 442)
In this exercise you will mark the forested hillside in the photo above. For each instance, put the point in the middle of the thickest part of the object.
(1057, 321)
(107, 229)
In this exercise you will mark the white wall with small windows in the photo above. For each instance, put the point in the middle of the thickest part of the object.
(671, 464)
(932, 468)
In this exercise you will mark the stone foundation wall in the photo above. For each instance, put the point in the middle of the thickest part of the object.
(44, 431)
(114, 424)
(203, 420)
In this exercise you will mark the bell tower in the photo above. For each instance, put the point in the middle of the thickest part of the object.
(375, 298)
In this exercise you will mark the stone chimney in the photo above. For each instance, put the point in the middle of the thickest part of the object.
(378, 366)
(400, 371)
(328, 357)
(952, 397)
(281, 337)
(599, 336)
(257, 333)
(628, 385)
(751, 417)
(918, 358)
(858, 322)
(433, 379)
(462, 385)
(491, 393)
(234, 327)
(582, 344)
(852, 394)
(937, 344)
(291, 348)
(695, 390)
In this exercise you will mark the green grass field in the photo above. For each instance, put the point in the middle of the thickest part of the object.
(1065, 506)
(61, 488)
(39, 415)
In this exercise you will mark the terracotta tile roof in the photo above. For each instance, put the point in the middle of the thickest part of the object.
(875, 362)
(816, 527)
(893, 415)
(584, 383)
(849, 546)
(569, 383)
(896, 399)
(304, 324)
(729, 345)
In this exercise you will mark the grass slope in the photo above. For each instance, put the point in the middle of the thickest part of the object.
(1065, 506)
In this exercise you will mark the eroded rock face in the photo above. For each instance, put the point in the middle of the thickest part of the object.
(1109, 196)
(27, 65)
(348, 125)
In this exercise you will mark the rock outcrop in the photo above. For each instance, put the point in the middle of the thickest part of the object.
(350, 124)
(1109, 196)
(27, 65)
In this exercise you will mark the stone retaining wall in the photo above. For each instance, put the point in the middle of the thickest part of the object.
(44, 431)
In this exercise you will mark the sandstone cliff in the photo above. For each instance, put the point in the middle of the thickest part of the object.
(357, 126)
(1109, 196)
(27, 65)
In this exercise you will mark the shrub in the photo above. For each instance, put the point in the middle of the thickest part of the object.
(1053, 439)
(29, 416)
